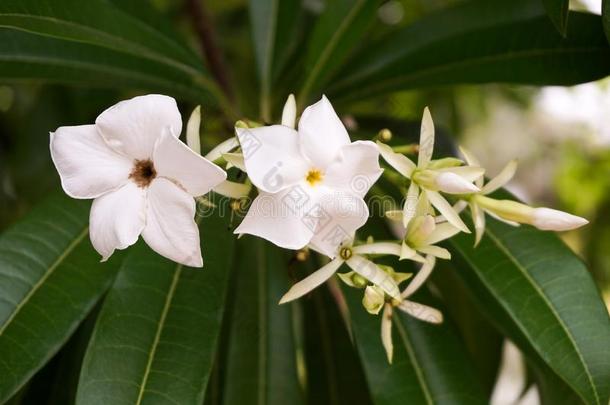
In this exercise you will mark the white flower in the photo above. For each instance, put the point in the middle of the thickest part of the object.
(508, 211)
(432, 176)
(353, 256)
(141, 176)
(415, 309)
(311, 182)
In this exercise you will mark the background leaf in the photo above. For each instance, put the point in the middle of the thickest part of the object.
(50, 278)
(558, 13)
(157, 334)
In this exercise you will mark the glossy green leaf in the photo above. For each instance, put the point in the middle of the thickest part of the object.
(606, 17)
(157, 334)
(50, 278)
(478, 42)
(273, 24)
(261, 360)
(558, 11)
(547, 300)
(337, 31)
(430, 366)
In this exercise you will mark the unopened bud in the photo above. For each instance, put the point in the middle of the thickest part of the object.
(373, 299)
(419, 229)
(289, 114)
(549, 219)
(385, 135)
(451, 183)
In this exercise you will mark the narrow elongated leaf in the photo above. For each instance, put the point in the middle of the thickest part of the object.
(340, 27)
(273, 25)
(50, 277)
(479, 42)
(558, 13)
(156, 336)
(261, 360)
(547, 300)
(430, 362)
(606, 17)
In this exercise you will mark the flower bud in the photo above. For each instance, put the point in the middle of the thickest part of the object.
(549, 219)
(451, 183)
(373, 299)
(385, 135)
(289, 114)
(418, 230)
(506, 209)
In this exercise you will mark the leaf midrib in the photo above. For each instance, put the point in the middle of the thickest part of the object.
(518, 265)
(69, 249)
(153, 350)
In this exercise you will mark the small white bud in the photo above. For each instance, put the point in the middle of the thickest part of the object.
(289, 114)
(451, 183)
(373, 299)
(192, 130)
(549, 219)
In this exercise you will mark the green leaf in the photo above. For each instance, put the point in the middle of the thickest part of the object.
(273, 24)
(430, 366)
(101, 44)
(50, 278)
(261, 360)
(157, 334)
(478, 42)
(558, 13)
(341, 26)
(606, 17)
(547, 300)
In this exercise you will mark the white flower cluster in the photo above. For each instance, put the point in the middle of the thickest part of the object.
(311, 184)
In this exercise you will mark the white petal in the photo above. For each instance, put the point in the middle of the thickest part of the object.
(471, 159)
(373, 300)
(170, 227)
(272, 157)
(379, 248)
(232, 189)
(192, 130)
(222, 148)
(394, 215)
(408, 253)
(386, 332)
(426, 139)
(421, 311)
(177, 162)
(132, 127)
(339, 214)
(235, 159)
(441, 232)
(478, 217)
(446, 210)
(409, 209)
(437, 251)
(420, 278)
(468, 173)
(321, 133)
(312, 281)
(374, 274)
(548, 219)
(452, 183)
(289, 114)
(399, 162)
(117, 219)
(501, 179)
(87, 166)
(356, 169)
(279, 218)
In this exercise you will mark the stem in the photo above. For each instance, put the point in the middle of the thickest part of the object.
(209, 46)
(410, 149)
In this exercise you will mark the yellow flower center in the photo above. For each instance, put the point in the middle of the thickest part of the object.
(314, 176)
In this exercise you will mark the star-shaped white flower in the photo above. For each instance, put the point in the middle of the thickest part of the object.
(432, 176)
(311, 182)
(141, 176)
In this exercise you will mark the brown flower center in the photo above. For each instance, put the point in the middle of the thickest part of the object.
(143, 173)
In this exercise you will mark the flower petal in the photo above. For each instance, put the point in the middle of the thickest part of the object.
(280, 218)
(170, 227)
(408, 253)
(420, 278)
(379, 248)
(441, 232)
(411, 205)
(117, 218)
(339, 214)
(235, 159)
(421, 311)
(289, 114)
(224, 147)
(356, 168)
(374, 274)
(501, 179)
(398, 161)
(233, 189)
(437, 251)
(272, 157)
(446, 210)
(478, 217)
(321, 133)
(175, 161)
(470, 158)
(386, 332)
(426, 139)
(312, 281)
(132, 127)
(192, 130)
(468, 173)
(87, 166)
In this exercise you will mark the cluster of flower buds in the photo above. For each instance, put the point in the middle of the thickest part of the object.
(311, 181)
